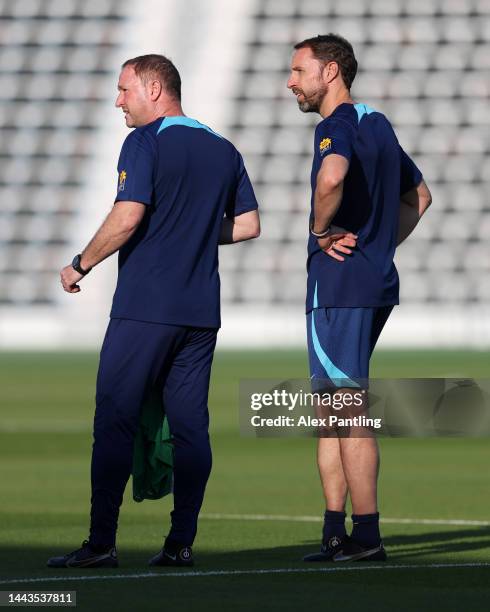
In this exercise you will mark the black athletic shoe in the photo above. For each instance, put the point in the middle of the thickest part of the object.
(176, 556)
(85, 557)
(327, 551)
(350, 550)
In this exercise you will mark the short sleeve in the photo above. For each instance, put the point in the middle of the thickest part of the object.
(333, 136)
(136, 168)
(410, 175)
(244, 199)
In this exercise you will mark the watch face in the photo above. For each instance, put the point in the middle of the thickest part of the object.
(76, 261)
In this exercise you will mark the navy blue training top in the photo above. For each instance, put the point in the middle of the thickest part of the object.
(189, 177)
(379, 172)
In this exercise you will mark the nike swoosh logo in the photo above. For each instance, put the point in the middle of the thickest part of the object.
(367, 553)
(173, 557)
(88, 561)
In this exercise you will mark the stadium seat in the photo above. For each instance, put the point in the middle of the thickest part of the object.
(462, 168)
(316, 8)
(383, 30)
(7, 227)
(421, 30)
(446, 255)
(257, 113)
(476, 256)
(474, 84)
(255, 287)
(59, 8)
(229, 258)
(412, 254)
(259, 256)
(436, 140)
(407, 112)
(297, 228)
(97, 8)
(482, 288)
(291, 287)
(456, 29)
(278, 8)
(480, 57)
(371, 84)
(414, 287)
(405, 85)
(385, 7)
(227, 288)
(380, 57)
(483, 228)
(281, 168)
(451, 57)
(47, 59)
(270, 57)
(292, 257)
(413, 57)
(459, 286)
(274, 31)
(289, 140)
(472, 140)
(443, 112)
(468, 197)
(354, 8)
(442, 85)
(252, 140)
(421, 7)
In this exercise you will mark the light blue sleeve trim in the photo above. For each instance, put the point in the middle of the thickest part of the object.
(187, 122)
(363, 109)
(336, 375)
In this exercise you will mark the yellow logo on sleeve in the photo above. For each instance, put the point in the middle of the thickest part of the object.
(122, 180)
(325, 144)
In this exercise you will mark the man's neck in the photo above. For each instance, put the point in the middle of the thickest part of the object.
(168, 110)
(330, 103)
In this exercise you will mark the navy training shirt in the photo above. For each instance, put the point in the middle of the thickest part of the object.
(189, 177)
(379, 173)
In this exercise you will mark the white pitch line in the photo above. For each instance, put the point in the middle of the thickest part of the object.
(319, 519)
(251, 572)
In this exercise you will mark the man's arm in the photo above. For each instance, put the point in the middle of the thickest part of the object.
(242, 227)
(413, 205)
(327, 199)
(118, 227)
(329, 190)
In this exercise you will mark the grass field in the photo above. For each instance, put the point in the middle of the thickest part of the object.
(245, 557)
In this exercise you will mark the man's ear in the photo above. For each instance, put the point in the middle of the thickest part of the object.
(155, 88)
(330, 71)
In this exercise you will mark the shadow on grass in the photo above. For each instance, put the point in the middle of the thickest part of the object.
(417, 548)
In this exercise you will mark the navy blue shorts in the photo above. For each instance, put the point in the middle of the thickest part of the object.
(341, 341)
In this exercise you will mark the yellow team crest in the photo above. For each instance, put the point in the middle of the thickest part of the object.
(122, 180)
(325, 144)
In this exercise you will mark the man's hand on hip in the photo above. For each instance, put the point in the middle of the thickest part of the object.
(69, 279)
(339, 241)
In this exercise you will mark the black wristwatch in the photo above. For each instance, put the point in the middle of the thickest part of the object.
(75, 264)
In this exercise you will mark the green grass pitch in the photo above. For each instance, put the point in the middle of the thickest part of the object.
(45, 441)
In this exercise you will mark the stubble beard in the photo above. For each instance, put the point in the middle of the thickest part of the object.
(312, 103)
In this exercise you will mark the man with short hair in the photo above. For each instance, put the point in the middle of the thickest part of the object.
(367, 197)
(182, 190)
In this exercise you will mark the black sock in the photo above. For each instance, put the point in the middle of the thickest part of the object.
(333, 525)
(365, 529)
(173, 547)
